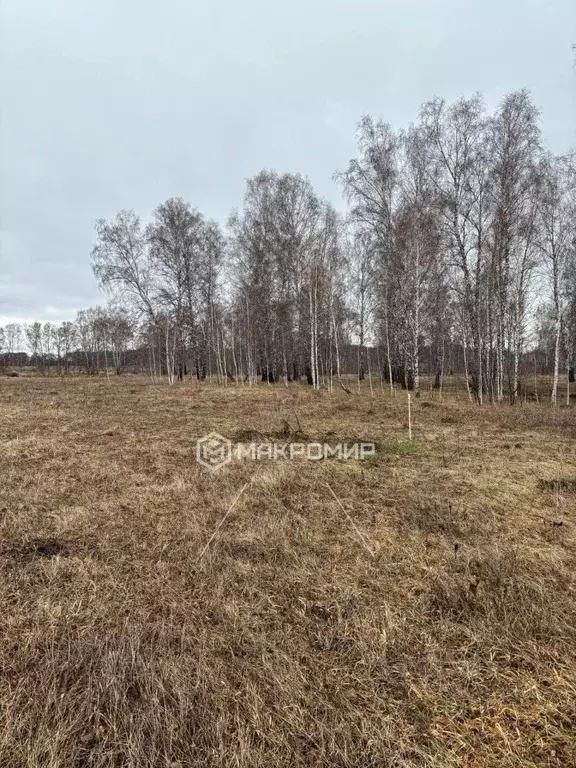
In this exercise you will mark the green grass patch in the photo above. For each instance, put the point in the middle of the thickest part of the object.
(383, 447)
(397, 447)
(386, 448)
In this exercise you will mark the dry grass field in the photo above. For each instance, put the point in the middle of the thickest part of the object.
(426, 616)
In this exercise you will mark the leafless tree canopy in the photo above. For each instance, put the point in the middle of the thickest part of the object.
(456, 256)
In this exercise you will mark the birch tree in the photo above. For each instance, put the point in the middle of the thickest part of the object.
(557, 212)
(514, 150)
(459, 171)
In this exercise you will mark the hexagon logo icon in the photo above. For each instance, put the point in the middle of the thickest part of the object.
(213, 451)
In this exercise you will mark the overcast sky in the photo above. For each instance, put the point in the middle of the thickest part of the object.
(110, 104)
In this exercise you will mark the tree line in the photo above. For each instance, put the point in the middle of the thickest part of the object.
(456, 254)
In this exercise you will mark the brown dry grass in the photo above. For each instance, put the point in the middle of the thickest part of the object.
(287, 643)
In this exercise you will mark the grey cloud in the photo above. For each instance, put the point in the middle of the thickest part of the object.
(109, 105)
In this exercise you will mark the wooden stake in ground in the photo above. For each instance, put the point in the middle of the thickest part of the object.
(409, 417)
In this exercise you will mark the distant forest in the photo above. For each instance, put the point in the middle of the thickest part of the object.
(456, 255)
